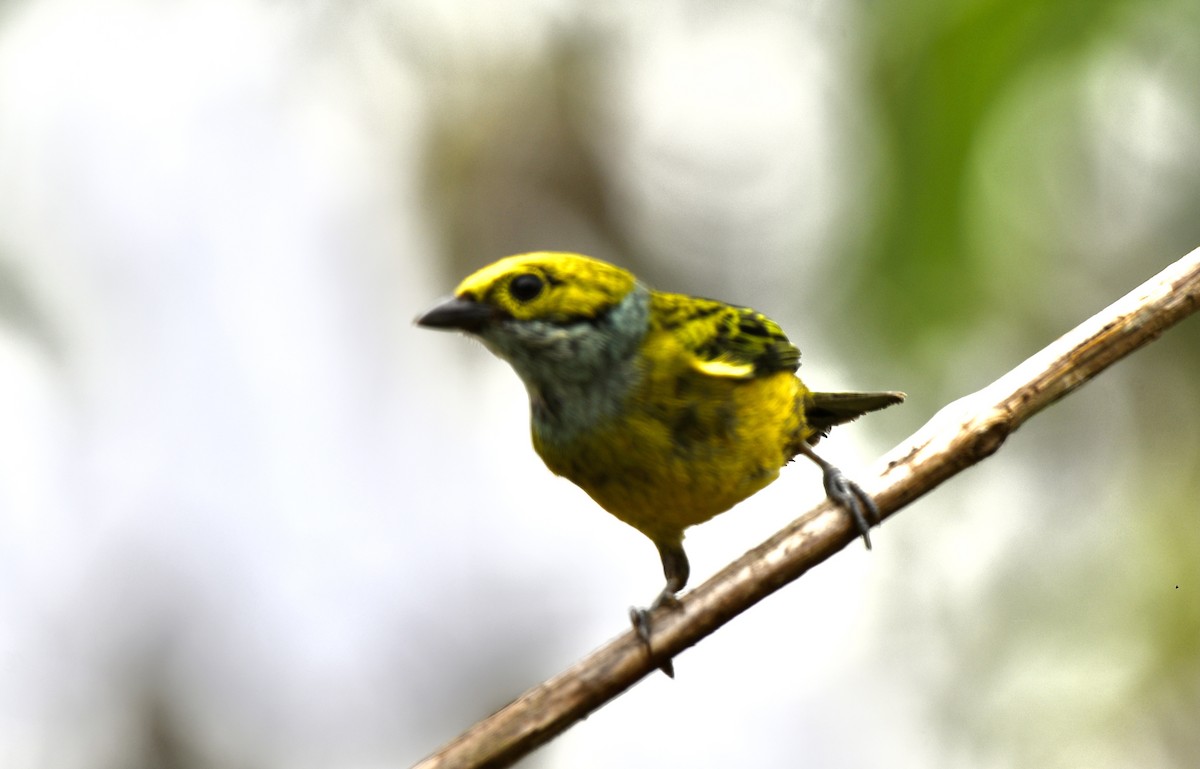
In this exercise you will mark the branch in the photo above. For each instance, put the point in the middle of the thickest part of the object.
(957, 437)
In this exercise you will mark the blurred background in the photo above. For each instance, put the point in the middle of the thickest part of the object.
(251, 517)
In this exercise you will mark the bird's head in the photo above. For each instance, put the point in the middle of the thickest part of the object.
(555, 317)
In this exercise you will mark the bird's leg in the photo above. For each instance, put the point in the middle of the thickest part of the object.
(847, 495)
(675, 569)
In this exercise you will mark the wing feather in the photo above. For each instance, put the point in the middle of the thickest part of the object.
(726, 341)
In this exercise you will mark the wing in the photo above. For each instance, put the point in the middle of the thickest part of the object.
(726, 341)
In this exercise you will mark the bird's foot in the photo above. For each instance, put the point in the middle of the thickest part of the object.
(641, 624)
(849, 496)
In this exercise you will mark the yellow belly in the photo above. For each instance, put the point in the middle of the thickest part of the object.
(685, 448)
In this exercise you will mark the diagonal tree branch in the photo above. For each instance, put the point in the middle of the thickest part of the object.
(961, 434)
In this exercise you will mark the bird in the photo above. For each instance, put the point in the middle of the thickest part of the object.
(666, 409)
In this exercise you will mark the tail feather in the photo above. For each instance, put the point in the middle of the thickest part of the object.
(824, 411)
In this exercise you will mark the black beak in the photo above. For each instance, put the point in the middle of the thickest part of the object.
(462, 314)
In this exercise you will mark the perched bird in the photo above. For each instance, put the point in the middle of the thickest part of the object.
(666, 409)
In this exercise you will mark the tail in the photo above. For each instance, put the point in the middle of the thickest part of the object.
(824, 411)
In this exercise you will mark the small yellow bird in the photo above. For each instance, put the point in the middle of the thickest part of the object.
(666, 409)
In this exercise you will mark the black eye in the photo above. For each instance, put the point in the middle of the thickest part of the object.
(525, 287)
